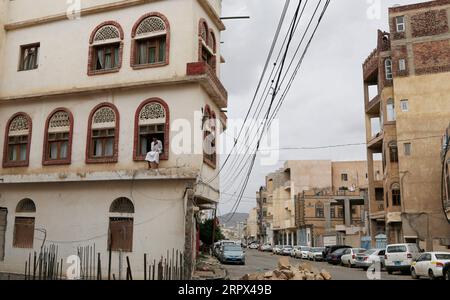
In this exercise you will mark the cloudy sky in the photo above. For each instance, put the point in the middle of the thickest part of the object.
(325, 105)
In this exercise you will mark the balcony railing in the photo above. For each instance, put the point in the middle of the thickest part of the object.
(370, 64)
(213, 84)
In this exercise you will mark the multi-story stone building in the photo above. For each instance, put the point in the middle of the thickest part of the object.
(264, 213)
(407, 103)
(318, 202)
(251, 226)
(332, 205)
(82, 96)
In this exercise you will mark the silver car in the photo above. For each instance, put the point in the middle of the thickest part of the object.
(367, 259)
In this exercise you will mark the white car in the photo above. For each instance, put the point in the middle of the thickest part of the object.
(370, 257)
(399, 257)
(277, 249)
(349, 256)
(253, 246)
(302, 252)
(316, 254)
(430, 264)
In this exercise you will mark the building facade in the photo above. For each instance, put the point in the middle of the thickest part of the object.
(82, 96)
(407, 108)
(251, 226)
(315, 203)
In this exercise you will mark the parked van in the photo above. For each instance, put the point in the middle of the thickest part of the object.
(399, 257)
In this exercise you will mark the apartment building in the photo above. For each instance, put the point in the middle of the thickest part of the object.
(251, 226)
(407, 104)
(318, 203)
(81, 98)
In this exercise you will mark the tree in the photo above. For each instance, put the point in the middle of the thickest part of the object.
(206, 229)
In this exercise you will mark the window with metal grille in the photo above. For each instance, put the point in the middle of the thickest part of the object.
(29, 57)
(344, 177)
(122, 205)
(23, 232)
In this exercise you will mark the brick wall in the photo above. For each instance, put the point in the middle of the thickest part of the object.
(429, 23)
(432, 57)
(399, 52)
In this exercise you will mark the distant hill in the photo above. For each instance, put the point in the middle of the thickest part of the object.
(237, 218)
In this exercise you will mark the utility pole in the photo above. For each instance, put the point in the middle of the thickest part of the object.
(214, 226)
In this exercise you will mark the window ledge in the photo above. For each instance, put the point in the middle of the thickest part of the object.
(56, 162)
(103, 160)
(210, 163)
(149, 66)
(9, 164)
(101, 72)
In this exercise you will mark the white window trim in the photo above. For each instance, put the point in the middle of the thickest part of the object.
(400, 24)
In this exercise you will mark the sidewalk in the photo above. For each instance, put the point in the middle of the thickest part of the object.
(209, 268)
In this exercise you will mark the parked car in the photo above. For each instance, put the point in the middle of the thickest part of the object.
(399, 257)
(298, 253)
(349, 256)
(295, 249)
(335, 257)
(266, 248)
(316, 254)
(367, 259)
(286, 250)
(304, 252)
(277, 249)
(253, 246)
(330, 249)
(430, 264)
(232, 254)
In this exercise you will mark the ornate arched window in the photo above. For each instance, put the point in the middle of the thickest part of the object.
(106, 47)
(152, 120)
(17, 141)
(24, 224)
(396, 195)
(103, 134)
(120, 237)
(150, 41)
(209, 137)
(58, 137)
(207, 44)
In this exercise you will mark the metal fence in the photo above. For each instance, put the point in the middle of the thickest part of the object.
(47, 265)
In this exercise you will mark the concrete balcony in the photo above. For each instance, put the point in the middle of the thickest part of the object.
(348, 230)
(287, 185)
(373, 106)
(370, 67)
(207, 77)
(119, 175)
(376, 142)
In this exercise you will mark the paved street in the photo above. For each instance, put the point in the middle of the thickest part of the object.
(259, 262)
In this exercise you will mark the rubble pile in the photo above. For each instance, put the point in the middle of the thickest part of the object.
(286, 271)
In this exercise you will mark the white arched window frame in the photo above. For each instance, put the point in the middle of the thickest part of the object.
(388, 69)
(17, 141)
